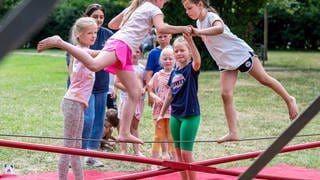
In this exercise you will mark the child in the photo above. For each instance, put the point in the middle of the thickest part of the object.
(158, 90)
(111, 121)
(153, 64)
(94, 115)
(84, 33)
(139, 70)
(185, 109)
(116, 57)
(231, 54)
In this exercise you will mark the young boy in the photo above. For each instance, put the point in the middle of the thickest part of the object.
(111, 121)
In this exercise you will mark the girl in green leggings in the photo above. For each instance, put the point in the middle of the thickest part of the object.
(185, 109)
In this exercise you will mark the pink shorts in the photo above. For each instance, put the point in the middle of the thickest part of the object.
(123, 53)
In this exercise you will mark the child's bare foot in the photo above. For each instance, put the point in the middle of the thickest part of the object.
(139, 154)
(228, 137)
(166, 157)
(154, 167)
(48, 43)
(129, 139)
(293, 108)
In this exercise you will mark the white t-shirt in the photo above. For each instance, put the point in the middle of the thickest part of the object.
(138, 25)
(226, 49)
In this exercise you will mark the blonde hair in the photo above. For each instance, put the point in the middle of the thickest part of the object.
(134, 4)
(179, 40)
(79, 26)
(167, 49)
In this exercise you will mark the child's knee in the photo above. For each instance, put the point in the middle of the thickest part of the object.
(226, 95)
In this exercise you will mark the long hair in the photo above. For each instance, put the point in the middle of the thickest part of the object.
(79, 26)
(134, 4)
(205, 3)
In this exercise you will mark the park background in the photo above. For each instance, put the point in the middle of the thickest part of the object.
(32, 85)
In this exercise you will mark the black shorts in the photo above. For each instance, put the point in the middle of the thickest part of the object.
(247, 65)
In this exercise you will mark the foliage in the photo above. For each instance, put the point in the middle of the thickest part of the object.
(293, 24)
(62, 19)
(6, 5)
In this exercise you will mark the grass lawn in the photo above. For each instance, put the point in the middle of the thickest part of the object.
(32, 87)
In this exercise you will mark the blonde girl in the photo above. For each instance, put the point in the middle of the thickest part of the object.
(84, 34)
(116, 57)
(183, 98)
(232, 55)
(158, 86)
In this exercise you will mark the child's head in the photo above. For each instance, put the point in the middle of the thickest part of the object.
(137, 55)
(181, 50)
(112, 117)
(163, 39)
(84, 31)
(95, 11)
(135, 4)
(167, 58)
(194, 8)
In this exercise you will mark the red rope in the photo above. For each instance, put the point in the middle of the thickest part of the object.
(221, 160)
(74, 151)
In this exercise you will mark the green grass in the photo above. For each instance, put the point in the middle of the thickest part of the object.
(32, 86)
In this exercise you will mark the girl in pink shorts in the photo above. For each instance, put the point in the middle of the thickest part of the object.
(116, 54)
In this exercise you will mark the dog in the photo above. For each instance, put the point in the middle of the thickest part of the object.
(8, 169)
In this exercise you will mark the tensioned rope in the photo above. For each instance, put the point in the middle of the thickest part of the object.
(146, 142)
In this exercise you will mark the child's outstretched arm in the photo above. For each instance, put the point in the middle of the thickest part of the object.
(164, 28)
(116, 21)
(196, 63)
(216, 28)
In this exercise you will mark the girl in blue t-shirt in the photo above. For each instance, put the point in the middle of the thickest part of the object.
(183, 98)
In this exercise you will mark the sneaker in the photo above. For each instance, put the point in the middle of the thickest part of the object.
(93, 162)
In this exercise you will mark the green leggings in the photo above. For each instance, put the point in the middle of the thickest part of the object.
(184, 129)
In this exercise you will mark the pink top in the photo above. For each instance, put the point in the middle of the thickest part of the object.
(82, 80)
(159, 84)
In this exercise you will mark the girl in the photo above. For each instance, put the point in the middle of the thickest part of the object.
(116, 57)
(185, 109)
(158, 90)
(83, 34)
(140, 73)
(231, 54)
(94, 115)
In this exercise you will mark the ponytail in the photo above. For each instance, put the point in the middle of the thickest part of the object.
(132, 7)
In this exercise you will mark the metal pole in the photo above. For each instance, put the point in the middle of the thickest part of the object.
(282, 140)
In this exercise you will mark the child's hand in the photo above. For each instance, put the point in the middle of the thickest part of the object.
(158, 101)
(158, 120)
(188, 37)
(187, 30)
(143, 91)
(195, 31)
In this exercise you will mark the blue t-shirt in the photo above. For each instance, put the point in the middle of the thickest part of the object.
(101, 84)
(153, 60)
(184, 88)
